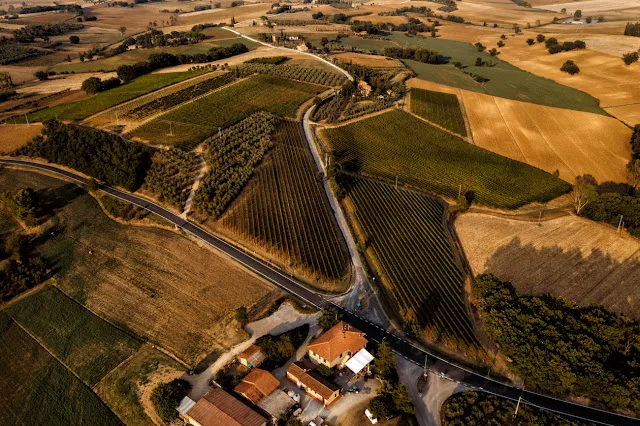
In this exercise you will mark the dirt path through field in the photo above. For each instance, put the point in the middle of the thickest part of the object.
(187, 206)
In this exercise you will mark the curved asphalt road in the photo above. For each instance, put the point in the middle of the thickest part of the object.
(400, 345)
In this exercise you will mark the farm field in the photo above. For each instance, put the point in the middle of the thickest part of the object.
(440, 108)
(14, 136)
(37, 389)
(571, 142)
(103, 100)
(87, 345)
(568, 257)
(504, 79)
(148, 281)
(121, 388)
(191, 123)
(612, 10)
(396, 145)
(412, 253)
(370, 61)
(283, 212)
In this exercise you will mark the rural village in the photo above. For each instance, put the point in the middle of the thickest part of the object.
(320, 212)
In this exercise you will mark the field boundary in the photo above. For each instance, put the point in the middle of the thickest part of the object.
(464, 138)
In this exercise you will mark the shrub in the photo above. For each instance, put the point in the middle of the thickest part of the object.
(242, 316)
(630, 58)
(92, 85)
(167, 396)
(41, 75)
(530, 41)
(570, 67)
(74, 39)
(540, 38)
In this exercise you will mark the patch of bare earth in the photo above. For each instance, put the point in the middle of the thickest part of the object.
(14, 136)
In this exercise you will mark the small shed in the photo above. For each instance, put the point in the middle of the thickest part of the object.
(359, 361)
(252, 357)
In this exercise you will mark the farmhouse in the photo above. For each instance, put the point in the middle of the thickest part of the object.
(302, 374)
(257, 385)
(251, 357)
(337, 345)
(364, 88)
(302, 47)
(219, 408)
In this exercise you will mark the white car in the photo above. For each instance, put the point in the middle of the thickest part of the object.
(372, 419)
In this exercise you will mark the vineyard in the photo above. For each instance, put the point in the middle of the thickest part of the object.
(179, 96)
(188, 125)
(406, 234)
(232, 157)
(396, 145)
(171, 176)
(440, 108)
(308, 75)
(284, 209)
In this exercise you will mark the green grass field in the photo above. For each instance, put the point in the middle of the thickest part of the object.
(397, 145)
(417, 265)
(505, 80)
(192, 123)
(140, 55)
(440, 108)
(88, 345)
(101, 101)
(35, 389)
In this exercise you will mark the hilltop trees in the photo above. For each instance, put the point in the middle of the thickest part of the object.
(632, 29)
(570, 67)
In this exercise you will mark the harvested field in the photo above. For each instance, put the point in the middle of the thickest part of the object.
(571, 142)
(14, 136)
(397, 145)
(370, 61)
(36, 389)
(198, 120)
(610, 9)
(122, 388)
(88, 345)
(569, 257)
(57, 84)
(147, 280)
(502, 12)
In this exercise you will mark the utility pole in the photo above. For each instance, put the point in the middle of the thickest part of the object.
(219, 133)
(619, 224)
(424, 371)
(117, 119)
(27, 118)
(396, 181)
(460, 191)
(540, 218)
(170, 130)
(515, 413)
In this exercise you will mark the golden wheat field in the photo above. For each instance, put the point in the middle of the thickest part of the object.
(14, 136)
(552, 139)
(569, 257)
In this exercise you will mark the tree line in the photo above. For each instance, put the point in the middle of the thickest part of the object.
(632, 29)
(417, 54)
(561, 348)
(102, 155)
(554, 46)
(28, 33)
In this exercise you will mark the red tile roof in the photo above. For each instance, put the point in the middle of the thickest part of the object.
(257, 385)
(313, 381)
(218, 408)
(337, 340)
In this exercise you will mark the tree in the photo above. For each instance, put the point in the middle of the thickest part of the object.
(41, 75)
(570, 67)
(167, 396)
(501, 43)
(530, 41)
(92, 185)
(329, 317)
(74, 39)
(633, 173)
(123, 30)
(384, 363)
(463, 203)
(401, 400)
(540, 38)
(479, 62)
(517, 29)
(494, 52)
(480, 47)
(25, 203)
(92, 85)
(563, 10)
(582, 194)
(630, 58)
(577, 14)
(242, 316)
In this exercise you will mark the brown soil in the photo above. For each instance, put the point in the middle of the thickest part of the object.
(14, 136)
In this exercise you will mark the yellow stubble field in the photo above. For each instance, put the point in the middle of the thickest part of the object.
(569, 257)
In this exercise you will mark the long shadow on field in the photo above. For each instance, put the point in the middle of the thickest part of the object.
(595, 278)
(54, 199)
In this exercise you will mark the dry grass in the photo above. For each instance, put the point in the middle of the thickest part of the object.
(14, 136)
(569, 257)
(59, 83)
(610, 9)
(368, 60)
(571, 142)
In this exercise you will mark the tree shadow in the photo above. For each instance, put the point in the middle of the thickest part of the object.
(54, 199)
(594, 278)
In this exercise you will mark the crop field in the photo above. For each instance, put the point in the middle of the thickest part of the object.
(14, 136)
(103, 100)
(396, 145)
(88, 345)
(191, 123)
(417, 263)
(568, 257)
(36, 389)
(572, 143)
(146, 280)
(314, 75)
(610, 9)
(505, 80)
(284, 209)
(121, 389)
(440, 108)
(503, 12)
(370, 61)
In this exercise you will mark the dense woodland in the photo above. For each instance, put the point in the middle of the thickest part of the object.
(29, 33)
(232, 157)
(609, 207)
(102, 155)
(560, 348)
(417, 54)
(12, 51)
(480, 409)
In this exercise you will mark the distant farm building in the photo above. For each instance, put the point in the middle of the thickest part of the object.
(364, 88)
(252, 357)
(302, 48)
